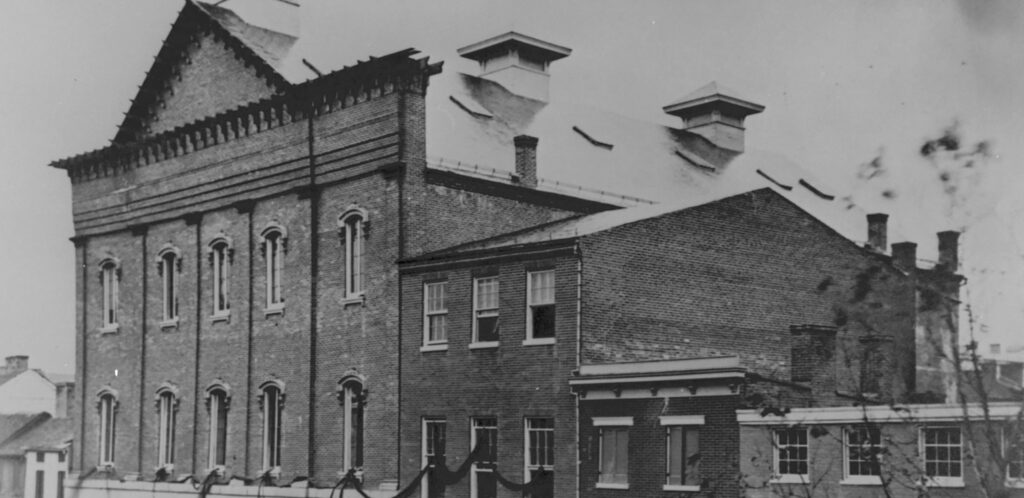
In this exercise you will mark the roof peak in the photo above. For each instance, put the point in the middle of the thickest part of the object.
(713, 91)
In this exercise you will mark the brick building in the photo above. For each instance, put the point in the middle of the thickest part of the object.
(284, 280)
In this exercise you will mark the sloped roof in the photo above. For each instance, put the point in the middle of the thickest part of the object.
(712, 92)
(13, 425)
(5, 377)
(51, 434)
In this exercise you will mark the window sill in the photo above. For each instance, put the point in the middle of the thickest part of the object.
(272, 472)
(789, 479)
(169, 324)
(221, 317)
(944, 482)
(679, 487)
(484, 345)
(434, 347)
(612, 485)
(539, 342)
(1014, 482)
(861, 481)
(274, 309)
(217, 470)
(353, 300)
(106, 467)
(109, 329)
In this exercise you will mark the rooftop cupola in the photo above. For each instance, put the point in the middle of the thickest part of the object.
(517, 62)
(715, 113)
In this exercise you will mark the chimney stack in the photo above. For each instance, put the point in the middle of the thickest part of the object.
(904, 256)
(949, 257)
(526, 160)
(715, 113)
(877, 231)
(17, 363)
(517, 62)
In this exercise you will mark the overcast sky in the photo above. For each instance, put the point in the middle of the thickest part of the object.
(842, 82)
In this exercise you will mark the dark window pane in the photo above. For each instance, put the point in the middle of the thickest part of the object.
(544, 321)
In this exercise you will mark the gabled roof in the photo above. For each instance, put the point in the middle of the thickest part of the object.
(46, 435)
(260, 48)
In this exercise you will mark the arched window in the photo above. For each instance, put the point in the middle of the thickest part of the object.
(168, 266)
(217, 402)
(107, 407)
(110, 275)
(220, 260)
(353, 397)
(167, 408)
(274, 238)
(352, 228)
(272, 401)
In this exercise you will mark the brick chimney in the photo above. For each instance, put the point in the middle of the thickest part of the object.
(526, 160)
(17, 363)
(715, 113)
(517, 62)
(949, 256)
(877, 231)
(904, 256)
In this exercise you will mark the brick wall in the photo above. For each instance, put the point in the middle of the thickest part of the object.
(510, 382)
(719, 442)
(731, 277)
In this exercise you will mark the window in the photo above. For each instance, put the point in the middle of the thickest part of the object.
(220, 252)
(485, 310)
(166, 411)
(435, 311)
(352, 232)
(273, 253)
(434, 444)
(109, 276)
(484, 439)
(40, 456)
(168, 266)
(682, 452)
(353, 397)
(40, 482)
(60, 484)
(942, 455)
(1013, 452)
(271, 401)
(540, 303)
(613, 451)
(108, 411)
(217, 403)
(540, 453)
(791, 456)
(863, 454)
(61, 456)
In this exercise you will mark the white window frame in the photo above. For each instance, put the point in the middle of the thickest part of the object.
(217, 399)
(530, 339)
(616, 424)
(490, 312)
(428, 343)
(110, 277)
(528, 466)
(352, 229)
(424, 444)
(220, 262)
(474, 424)
(352, 392)
(168, 266)
(860, 479)
(778, 477)
(941, 481)
(271, 401)
(683, 421)
(107, 405)
(167, 417)
(274, 249)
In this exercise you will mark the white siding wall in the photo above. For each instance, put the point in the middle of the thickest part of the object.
(50, 467)
(28, 393)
